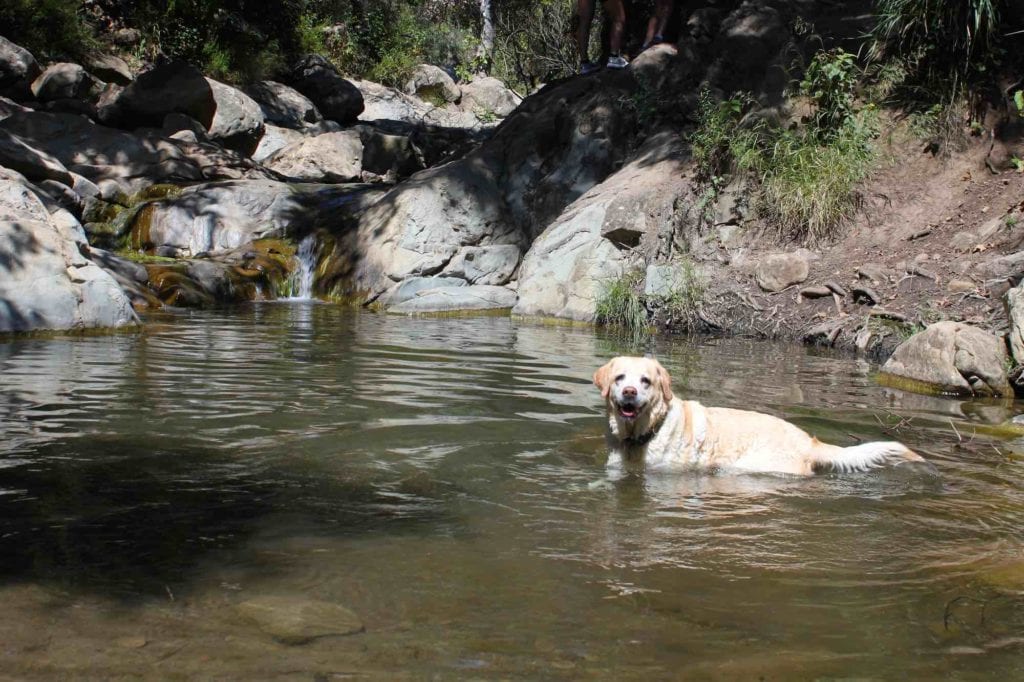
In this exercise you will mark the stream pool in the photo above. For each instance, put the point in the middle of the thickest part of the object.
(444, 480)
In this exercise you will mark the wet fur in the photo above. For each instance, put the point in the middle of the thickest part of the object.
(675, 435)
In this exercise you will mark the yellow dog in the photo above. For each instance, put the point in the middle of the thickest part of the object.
(649, 428)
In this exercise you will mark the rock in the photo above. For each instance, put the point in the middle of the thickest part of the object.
(174, 123)
(488, 96)
(331, 157)
(824, 334)
(662, 281)
(225, 215)
(960, 286)
(451, 299)
(433, 84)
(1010, 266)
(954, 358)
(45, 281)
(570, 265)
(131, 641)
(384, 153)
(63, 81)
(1013, 301)
(873, 272)
(815, 292)
(284, 106)
(9, 107)
(413, 286)
(169, 87)
(17, 65)
(237, 120)
(120, 163)
(127, 37)
(963, 241)
(34, 164)
(836, 289)
(109, 69)
(484, 264)
(780, 270)
(296, 620)
(335, 97)
(866, 295)
(275, 138)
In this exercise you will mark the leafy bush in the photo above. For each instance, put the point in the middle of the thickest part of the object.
(49, 29)
(829, 84)
(621, 304)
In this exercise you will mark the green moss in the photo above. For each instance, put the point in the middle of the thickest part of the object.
(917, 386)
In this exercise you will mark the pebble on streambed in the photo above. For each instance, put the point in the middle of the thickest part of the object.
(293, 620)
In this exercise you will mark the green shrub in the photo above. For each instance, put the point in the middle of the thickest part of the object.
(49, 29)
(621, 304)
(829, 84)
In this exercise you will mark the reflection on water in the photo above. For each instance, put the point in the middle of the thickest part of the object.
(445, 480)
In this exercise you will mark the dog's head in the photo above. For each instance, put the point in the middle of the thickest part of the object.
(634, 387)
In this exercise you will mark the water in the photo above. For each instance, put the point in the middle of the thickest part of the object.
(302, 281)
(444, 480)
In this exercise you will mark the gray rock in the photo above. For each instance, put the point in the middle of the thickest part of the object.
(1002, 267)
(667, 279)
(954, 358)
(875, 273)
(274, 138)
(175, 122)
(284, 106)
(45, 281)
(237, 120)
(488, 95)
(127, 37)
(960, 286)
(781, 270)
(384, 153)
(413, 286)
(296, 620)
(225, 215)
(170, 87)
(484, 264)
(387, 104)
(63, 80)
(9, 107)
(331, 157)
(452, 299)
(963, 241)
(433, 84)
(335, 97)
(1013, 301)
(109, 69)
(17, 65)
(35, 164)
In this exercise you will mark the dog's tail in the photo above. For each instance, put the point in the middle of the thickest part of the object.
(862, 457)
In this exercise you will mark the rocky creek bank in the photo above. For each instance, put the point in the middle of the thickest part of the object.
(122, 192)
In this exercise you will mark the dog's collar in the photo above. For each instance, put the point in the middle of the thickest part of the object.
(639, 440)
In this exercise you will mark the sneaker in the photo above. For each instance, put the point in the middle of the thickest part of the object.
(617, 62)
(588, 67)
(656, 40)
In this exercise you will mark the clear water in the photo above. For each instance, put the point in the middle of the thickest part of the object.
(443, 478)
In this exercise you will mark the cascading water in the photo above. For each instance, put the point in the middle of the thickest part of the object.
(301, 283)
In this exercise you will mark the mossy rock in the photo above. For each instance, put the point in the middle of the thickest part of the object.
(175, 288)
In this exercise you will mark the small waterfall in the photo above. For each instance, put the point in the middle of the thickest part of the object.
(301, 284)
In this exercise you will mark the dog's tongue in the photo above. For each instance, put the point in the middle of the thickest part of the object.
(627, 412)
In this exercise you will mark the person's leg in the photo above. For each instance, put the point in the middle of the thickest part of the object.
(658, 22)
(617, 16)
(584, 17)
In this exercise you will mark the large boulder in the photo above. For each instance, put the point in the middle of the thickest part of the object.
(225, 215)
(331, 157)
(63, 80)
(34, 164)
(237, 120)
(109, 69)
(17, 65)
(484, 264)
(780, 270)
(385, 153)
(45, 280)
(274, 138)
(585, 249)
(451, 299)
(169, 87)
(387, 104)
(489, 96)
(433, 84)
(284, 106)
(335, 97)
(952, 357)
(1013, 300)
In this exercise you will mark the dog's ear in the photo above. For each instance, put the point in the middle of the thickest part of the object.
(664, 381)
(603, 378)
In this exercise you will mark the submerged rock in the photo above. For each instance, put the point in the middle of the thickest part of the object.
(951, 357)
(294, 620)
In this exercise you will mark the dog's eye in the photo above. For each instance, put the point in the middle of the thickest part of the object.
(645, 381)
(620, 378)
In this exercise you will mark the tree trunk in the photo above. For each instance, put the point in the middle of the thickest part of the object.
(486, 48)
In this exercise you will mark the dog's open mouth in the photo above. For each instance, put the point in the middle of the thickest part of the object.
(628, 410)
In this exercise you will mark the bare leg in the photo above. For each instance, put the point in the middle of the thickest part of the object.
(658, 22)
(584, 17)
(617, 15)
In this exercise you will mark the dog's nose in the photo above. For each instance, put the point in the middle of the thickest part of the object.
(629, 391)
